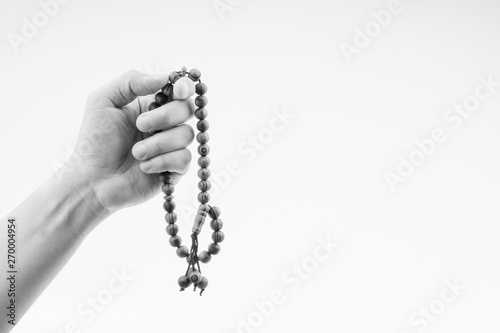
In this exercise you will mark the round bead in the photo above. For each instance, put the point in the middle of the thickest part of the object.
(214, 212)
(203, 149)
(201, 88)
(203, 161)
(213, 248)
(203, 197)
(216, 225)
(153, 105)
(201, 101)
(172, 229)
(218, 236)
(184, 282)
(194, 74)
(167, 90)
(183, 88)
(174, 76)
(175, 241)
(202, 137)
(203, 284)
(204, 185)
(165, 177)
(171, 217)
(202, 126)
(201, 113)
(169, 206)
(161, 98)
(194, 276)
(204, 173)
(182, 251)
(205, 257)
(168, 189)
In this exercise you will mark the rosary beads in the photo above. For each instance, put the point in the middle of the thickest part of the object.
(193, 273)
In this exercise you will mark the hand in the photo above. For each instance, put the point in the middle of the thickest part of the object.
(115, 154)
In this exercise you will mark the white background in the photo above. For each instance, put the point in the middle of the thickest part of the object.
(321, 176)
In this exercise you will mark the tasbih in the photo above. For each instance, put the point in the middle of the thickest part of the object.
(166, 95)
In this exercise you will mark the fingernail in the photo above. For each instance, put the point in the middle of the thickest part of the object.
(146, 166)
(140, 151)
(144, 123)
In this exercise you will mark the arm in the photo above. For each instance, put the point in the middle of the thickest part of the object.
(116, 166)
(50, 225)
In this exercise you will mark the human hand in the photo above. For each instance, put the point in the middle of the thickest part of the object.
(118, 157)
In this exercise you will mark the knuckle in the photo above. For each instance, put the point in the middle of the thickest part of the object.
(157, 145)
(186, 157)
(167, 118)
(130, 73)
(188, 133)
(155, 165)
(129, 77)
(93, 97)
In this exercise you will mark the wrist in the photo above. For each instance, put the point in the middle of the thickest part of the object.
(84, 203)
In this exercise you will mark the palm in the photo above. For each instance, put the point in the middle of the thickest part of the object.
(109, 158)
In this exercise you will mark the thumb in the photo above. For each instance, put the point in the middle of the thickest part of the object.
(124, 89)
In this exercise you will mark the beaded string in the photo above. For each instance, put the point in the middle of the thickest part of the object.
(193, 272)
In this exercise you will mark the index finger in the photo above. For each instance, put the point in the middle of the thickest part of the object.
(129, 86)
(166, 116)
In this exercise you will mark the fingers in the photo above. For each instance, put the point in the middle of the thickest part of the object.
(166, 116)
(176, 161)
(128, 86)
(164, 142)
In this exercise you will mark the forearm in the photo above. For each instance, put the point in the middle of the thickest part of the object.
(50, 225)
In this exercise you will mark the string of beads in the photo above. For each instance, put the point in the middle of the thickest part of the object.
(193, 273)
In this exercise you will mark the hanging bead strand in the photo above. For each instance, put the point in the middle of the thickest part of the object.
(193, 272)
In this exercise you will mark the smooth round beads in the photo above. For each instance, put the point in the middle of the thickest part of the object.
(201, 88)
(194, 75)
(175, 241)
(204, 185)
(181, 85)
(194, 276)
(172, 229)
(217, 235)
(203, 283)
(184, 282)
(161, 98)
(171, 217)
(182, 251)
(201, 113)
(201, 101)
(214, 248)
(203, 149)
(205, 257)
(216, 224)
(202, 137)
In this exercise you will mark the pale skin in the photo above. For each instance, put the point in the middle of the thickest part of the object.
(116, 166)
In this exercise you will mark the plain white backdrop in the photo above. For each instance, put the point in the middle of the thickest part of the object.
(321, 177)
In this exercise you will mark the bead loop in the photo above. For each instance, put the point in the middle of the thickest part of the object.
(189, 82)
